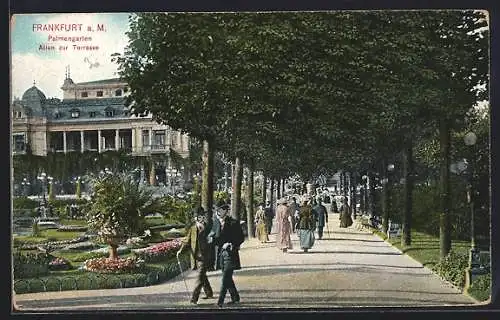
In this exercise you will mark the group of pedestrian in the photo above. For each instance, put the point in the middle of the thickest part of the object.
(214, 244)
(305, 219)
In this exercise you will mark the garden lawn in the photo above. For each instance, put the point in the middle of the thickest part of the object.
(426, 249)
(74, 222)
(51, 235)
(55, 235)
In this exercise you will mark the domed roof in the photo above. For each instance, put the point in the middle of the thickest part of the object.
(34, 93)
(68, 82)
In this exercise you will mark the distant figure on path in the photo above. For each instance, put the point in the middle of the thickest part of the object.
(283, 226)
(306, 226)
(269, 217)
(345, 214)
(260, 224)
(294, 209)
(321, 217)
(333, 206)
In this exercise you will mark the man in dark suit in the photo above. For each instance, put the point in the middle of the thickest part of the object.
(226, 230)
(196, 241)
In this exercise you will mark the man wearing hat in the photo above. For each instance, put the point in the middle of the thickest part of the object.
(225, 229)
(196, 241)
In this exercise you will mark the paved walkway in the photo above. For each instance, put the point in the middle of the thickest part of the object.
(348, 268)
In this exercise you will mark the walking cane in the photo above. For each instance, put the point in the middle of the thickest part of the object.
(183, 278)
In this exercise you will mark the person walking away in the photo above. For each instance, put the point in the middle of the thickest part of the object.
(269, 217)
(283, 226)
(294, 209)
(228, 265)
(333, 206)
(321, 217)
(196, 241)
(306, 226)
(260, 224)
(345, 214)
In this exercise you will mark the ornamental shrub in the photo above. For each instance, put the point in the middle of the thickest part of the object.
(119, 265)
(24, 203)
(30, 264)
(58, 264)
(158, 252)
(481, 287)
(452, 268)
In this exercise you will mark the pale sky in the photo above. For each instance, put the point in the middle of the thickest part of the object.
(47, 68)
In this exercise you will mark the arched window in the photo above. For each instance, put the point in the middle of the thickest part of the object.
(75, 113)
(118, 93)
(109, 112)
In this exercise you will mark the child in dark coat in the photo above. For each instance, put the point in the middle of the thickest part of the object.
(228, 265)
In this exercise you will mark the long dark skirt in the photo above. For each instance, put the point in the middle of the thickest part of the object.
(306, 238)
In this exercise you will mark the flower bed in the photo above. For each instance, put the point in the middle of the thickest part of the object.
(136, 243)
(58, 264)
(107, 265)
(30, 246)
(158, 252)
(119, 250)
(86, 245)
(92, 280)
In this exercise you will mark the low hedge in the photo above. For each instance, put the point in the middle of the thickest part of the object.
(150, 275)
(481, 287)
(452, 268)
(30, 264)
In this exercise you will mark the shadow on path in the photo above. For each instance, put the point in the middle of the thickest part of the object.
(253, 298)
(347, 252)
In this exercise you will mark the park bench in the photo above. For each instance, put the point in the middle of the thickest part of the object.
(363, 222)
(394, 229)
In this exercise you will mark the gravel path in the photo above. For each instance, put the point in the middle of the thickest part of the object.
(348, 268)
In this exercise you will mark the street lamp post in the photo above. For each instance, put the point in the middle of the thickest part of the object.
(364, 184)
(470, 140)
(387, 181)
(43, 178)
(25, 183)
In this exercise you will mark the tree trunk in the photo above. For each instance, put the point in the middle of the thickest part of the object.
(387, 198)
(264, 189)
(250, 206)
(444, 221)
(78, 190)
(345, 186)
(271, 194)
(278, 189)
(236, 195)
(207, 189)
(354, 194)
(152, 173)
(408, 190)
(371, 194)
(113, 251)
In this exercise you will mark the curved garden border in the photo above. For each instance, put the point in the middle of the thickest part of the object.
(93, 281)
